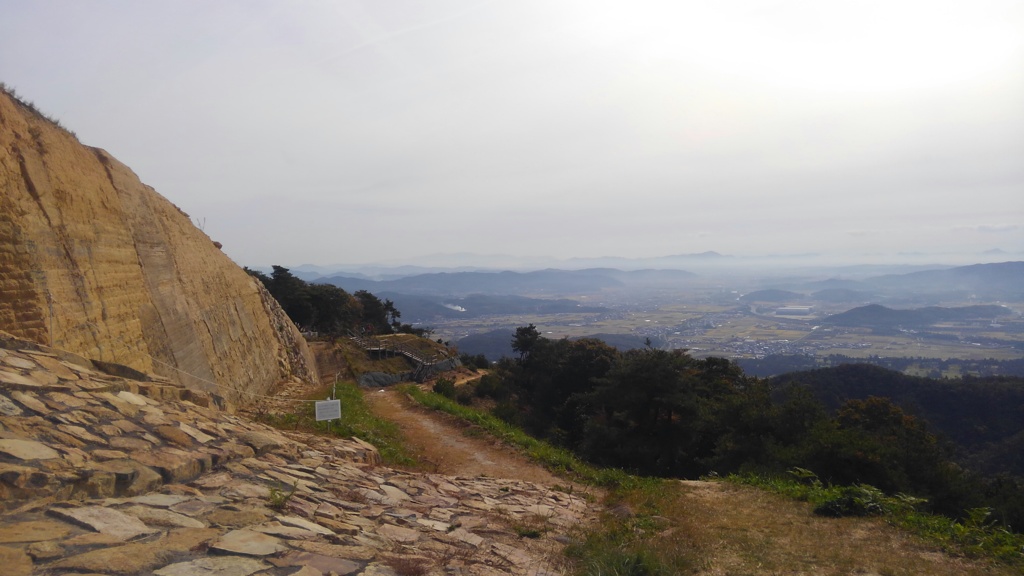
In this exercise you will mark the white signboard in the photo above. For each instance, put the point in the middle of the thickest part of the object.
(328, 410)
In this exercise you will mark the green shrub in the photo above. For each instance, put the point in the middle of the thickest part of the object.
(445, 387)
(860, 500)
(464, 395)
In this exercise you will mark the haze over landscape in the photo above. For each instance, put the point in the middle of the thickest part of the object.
(588, 288)
(357, 132)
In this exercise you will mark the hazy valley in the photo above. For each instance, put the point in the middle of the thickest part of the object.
(948, 319)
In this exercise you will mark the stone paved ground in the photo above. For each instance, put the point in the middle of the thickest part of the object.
(102, 474)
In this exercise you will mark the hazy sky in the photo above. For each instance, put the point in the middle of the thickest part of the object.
(345, 131)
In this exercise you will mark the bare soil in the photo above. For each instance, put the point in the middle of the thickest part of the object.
(449, 447)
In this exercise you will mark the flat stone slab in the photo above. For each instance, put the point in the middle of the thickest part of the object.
(121, 559)
(394, 493)
(248, 543)
(15, 379)
(398, 533)
(304, 524)
(8, 408)
(30, 402)
(15, 562)
(214, 566)
(106, 521)
(196, 435)
(260, 443)
(19, 362)
(193, 507)
(131, 398)
(325, 564)
(34, 531)
(28, 450)
(159, 500)
(161, 517)
(288, 532)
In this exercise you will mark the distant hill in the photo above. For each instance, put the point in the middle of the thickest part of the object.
(493, 345)
(772, 295)
(541, 282)
(877, 316)
(840, 295)
(835, 284)
(984, 417)
(1004, 281)
(424, 309)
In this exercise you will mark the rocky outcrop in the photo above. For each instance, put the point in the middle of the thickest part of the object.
(102, 474)
(97, 263)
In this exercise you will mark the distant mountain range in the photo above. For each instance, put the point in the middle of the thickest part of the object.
(539, 283)
(442, 295)
(877, 316)
(989, 279)
(424, 309)
(1000, 281)
(772, 295)
(704, 263)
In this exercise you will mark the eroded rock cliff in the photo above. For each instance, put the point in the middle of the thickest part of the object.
(95, 262)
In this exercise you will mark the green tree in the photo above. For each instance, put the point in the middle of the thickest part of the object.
(374, 316)
(334, 310)
(574, 366)
(293, 295)
(525, 341)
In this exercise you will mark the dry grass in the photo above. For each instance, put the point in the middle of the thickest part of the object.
(730, 529)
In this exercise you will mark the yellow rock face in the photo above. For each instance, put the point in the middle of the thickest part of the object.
(95, 262)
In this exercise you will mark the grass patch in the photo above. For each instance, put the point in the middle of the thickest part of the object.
(356, 420)
(638, 534)
(975, 536)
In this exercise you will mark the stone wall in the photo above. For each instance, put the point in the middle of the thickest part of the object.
(95, 262)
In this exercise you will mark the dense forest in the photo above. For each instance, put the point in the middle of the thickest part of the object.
(666, 413)
(329, 310)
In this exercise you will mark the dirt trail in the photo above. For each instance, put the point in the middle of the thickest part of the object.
(727, 529)
(446, 447)
(724, 528)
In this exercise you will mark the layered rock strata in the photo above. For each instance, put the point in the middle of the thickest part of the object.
(102, 474)
(95, 262)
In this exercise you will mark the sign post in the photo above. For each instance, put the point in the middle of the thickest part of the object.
(328, 410)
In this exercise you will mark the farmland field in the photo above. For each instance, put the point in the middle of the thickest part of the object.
(737, 330)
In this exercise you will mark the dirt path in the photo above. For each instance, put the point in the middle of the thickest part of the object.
(451, 448)
(724, 528)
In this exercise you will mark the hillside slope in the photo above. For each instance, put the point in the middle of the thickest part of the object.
(97, 263)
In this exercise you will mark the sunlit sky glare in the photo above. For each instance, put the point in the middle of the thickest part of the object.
(348, 132)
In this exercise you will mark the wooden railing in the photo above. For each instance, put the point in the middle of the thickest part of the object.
(388, 346)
